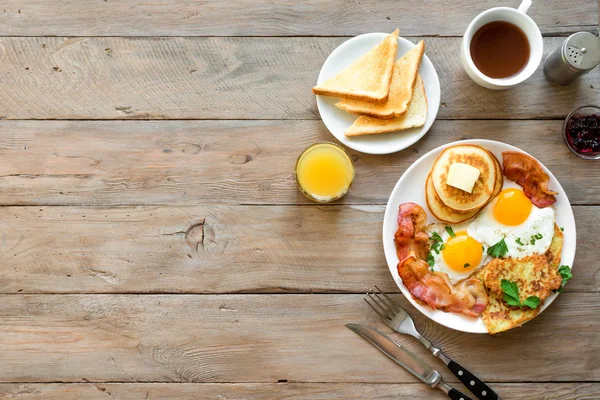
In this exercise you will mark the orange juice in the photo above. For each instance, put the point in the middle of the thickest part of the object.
(324, 172)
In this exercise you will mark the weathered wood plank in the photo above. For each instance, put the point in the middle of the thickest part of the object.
(267, 18)
(230, 78)
(236, 162)
(266, 338)
(283, 391)
(215, 249)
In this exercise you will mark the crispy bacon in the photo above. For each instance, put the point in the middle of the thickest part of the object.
(411, 237)
(527, 172)
(432, 288)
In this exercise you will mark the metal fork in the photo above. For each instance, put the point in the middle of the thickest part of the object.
(399, 320)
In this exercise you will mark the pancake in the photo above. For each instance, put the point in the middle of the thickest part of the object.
(499, 176)
(446, 214)
(441, 211)
(457, 199)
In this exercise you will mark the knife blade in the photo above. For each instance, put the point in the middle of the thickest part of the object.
(405, 359)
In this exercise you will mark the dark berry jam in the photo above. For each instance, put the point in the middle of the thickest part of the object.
(583, 133)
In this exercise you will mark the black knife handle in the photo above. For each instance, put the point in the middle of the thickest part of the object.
(456, 395)
(480, 389)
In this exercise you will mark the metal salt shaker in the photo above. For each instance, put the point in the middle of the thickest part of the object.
(578, 55)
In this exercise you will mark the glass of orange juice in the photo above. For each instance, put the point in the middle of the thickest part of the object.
(324, 172)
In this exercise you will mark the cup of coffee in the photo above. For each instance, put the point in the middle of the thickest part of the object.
(502, 47)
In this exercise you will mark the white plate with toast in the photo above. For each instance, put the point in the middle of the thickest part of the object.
(411, 188)
(338, 121)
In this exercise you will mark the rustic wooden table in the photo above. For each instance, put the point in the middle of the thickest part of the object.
(154, 244)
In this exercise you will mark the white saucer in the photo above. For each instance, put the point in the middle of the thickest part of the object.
(337, 121)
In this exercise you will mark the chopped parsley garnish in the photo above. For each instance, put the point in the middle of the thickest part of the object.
(535, 237)
(438, 242)
(562, 229)
(467, 265)
(518, 240)
(430, 260)
(511, 296)
(566, 274)
(437, 245)
(450, 231)
(436, 237)
(498, 250)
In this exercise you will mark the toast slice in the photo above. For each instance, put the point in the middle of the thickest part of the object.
(413, 118)
(367, 78)
(401, 89)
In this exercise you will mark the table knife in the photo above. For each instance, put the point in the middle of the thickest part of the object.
(406, 359)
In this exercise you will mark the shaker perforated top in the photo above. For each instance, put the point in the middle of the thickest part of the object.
(582, 51)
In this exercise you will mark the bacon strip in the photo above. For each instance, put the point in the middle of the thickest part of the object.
(411, 238)
(433, 288)
(527, 172)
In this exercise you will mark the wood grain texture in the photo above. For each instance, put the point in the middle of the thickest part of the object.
(231, 162)
(201, 208)
(268, 18)
(283, 391)
(231, 78)
(215, 249)
(267, 338)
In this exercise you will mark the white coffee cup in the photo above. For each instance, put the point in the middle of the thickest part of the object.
(516, 17)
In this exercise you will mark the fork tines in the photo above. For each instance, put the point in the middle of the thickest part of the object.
(381, 303)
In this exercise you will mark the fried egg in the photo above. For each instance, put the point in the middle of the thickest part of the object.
(525, 228)
(459, 256)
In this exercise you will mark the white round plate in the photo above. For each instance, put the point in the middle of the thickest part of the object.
(411, 187)
(337, 121)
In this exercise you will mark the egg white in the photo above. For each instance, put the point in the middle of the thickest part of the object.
(439, 264)
(486, 230)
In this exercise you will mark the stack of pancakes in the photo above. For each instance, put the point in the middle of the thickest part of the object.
(452, 205)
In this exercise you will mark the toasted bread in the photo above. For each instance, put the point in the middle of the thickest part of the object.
(413, 118)
(367, 78)
(403, 83)
(458, 199)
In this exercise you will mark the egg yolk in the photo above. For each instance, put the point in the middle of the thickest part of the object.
(512, 207)
(462, 253)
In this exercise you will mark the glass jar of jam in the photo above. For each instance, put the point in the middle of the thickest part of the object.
(581, 132)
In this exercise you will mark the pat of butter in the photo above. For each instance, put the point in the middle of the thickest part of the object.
(462, 176)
